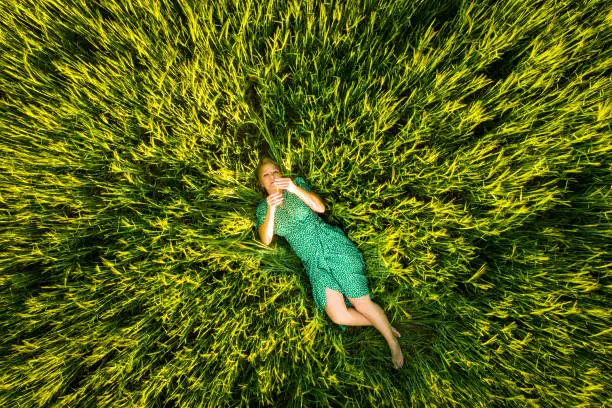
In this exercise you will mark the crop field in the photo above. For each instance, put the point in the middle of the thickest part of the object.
(465, 147)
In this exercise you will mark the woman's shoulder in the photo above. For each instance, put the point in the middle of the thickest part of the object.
(261, 210)
(262, 204)
(299, 180)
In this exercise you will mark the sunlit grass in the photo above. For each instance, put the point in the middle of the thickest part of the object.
(463, 146)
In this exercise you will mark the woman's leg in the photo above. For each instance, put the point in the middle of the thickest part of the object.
(378, 319)
(339, 313)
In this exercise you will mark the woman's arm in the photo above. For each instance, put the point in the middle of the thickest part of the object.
(266, 230)
(309, 198)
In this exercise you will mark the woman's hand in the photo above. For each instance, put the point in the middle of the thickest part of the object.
(274, 200)
(285, 183)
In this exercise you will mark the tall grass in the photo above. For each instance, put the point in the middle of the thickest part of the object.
(463, 146)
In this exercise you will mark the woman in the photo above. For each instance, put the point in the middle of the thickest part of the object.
(333, 263)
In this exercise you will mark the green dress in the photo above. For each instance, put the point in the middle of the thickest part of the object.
(330, 258)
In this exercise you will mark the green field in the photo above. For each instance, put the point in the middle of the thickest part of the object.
(465, 147)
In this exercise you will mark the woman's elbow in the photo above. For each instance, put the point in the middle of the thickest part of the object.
(265, 241)
(321, 209)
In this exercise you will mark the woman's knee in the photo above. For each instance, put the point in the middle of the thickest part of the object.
(335, 307)
(362, 303)
(336, 316)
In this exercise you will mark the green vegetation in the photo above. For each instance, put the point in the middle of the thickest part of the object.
(463, 146)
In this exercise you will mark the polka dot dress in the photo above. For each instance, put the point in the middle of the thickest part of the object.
(330, 258)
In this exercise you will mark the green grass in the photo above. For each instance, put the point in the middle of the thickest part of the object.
(465, 147)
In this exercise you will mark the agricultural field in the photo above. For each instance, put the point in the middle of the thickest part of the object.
(463, 146)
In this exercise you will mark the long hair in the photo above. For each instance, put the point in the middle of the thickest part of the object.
(265, 160)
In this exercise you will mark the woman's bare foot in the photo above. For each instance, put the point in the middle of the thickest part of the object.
(396, 355)
(395, 332)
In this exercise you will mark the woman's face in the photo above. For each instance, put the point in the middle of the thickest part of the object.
(267, 174)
